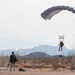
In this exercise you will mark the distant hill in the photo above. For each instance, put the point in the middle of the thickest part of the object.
(38, 54)
(50, 50)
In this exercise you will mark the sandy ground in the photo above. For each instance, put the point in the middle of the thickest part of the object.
(38, 72)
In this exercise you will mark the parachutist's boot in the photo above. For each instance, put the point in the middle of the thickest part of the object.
(59, 49)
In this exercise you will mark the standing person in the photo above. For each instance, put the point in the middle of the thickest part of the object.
(12, 61)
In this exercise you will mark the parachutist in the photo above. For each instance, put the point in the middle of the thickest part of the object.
(61, 45)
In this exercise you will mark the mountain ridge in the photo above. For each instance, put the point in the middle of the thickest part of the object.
(50, 50)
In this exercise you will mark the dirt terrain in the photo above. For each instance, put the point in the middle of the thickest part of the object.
(38, 72)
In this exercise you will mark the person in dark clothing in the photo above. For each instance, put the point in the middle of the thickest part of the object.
(12, 61)
(61, 45)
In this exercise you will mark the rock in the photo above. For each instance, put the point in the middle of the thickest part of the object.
(22, 69)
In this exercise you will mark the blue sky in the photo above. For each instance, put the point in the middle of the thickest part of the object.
(21, 25)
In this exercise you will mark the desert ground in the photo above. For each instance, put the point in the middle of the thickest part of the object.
(38, 72)
(39, 66)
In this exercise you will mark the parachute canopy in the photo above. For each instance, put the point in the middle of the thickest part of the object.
(50, 12)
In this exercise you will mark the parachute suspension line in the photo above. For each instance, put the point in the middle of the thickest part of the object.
(71, 44)
(73, 38)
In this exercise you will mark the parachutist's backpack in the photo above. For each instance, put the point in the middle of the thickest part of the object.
(13, 59)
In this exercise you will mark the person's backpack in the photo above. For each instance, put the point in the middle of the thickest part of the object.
(13, 59)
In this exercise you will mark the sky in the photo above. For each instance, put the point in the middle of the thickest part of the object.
(21, 25)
